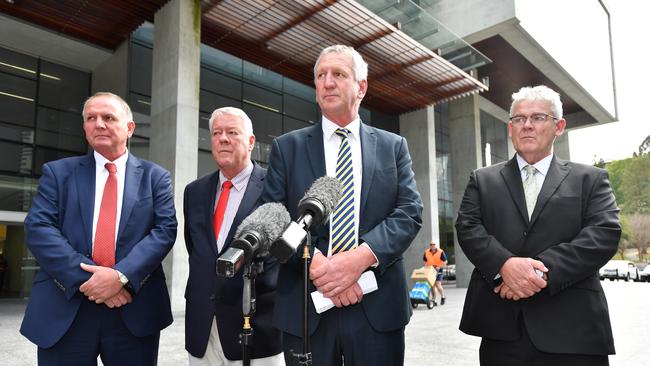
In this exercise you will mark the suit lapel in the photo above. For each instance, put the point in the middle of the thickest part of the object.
(557, 172)
(248, 202)
(132, 178)
(209, 194)
(316, 150)
(512, 177)
(368, 153)
(85, 181)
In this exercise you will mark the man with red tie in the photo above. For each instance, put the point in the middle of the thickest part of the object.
(214, 206)
(99, 227)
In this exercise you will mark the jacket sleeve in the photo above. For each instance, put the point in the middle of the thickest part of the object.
(148, 253)
(394, 234)
(45, 239)
(593, 246)
(482, 249)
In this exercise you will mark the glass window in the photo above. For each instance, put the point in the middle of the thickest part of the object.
(139, 103)
(205, 140)
(261, 76)
(221, 60)
(15, 158)
(17, 100)
(62, 130)
(206, 164)
(54, 79)
(262, 98)
(266, 124)
(208, 102)
(221, 84)
(16, 133)
(139, 147)
(43, 155)
(306, 92)
(140, 69)
(291, 124)
(16, 193)
(18, 64)
(300, 108)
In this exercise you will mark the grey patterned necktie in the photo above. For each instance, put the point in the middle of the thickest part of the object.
(531, 189)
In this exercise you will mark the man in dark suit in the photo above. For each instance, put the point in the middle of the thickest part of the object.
(100, 226)
(375, 221)
(213, 314)
(538, 228)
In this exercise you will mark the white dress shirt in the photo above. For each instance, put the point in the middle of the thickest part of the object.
(542, 167)
(239, 184)
(101, 175)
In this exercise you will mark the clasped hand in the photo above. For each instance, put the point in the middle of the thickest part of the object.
(104, 287)
(519, 278)
(336, 276)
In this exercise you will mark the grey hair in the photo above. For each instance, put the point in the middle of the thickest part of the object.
(125, 107)
(359, 65)
(232, 111)
(539, 92)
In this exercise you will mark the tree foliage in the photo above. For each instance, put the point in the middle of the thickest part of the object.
(639, 228)
(630, 181)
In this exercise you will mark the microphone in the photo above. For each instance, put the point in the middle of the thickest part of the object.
(314, 209)
(253, 237)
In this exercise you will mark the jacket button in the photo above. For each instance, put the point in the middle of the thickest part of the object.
(525, 233)
(212, 297)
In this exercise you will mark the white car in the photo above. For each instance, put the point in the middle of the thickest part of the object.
(645, 273)
(619, 270)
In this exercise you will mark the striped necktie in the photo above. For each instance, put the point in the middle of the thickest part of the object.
(531, 189)
(343, 223)
(104, 245)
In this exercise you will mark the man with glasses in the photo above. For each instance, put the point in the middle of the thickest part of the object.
(538, 228)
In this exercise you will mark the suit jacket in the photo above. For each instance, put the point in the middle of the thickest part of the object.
(574, 230)
(58, 231)
(206, 293)
(390, 217)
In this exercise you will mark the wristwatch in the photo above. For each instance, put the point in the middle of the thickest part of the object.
(122, 277)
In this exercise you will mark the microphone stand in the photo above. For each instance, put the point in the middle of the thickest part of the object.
(305, 358)
(251, 270)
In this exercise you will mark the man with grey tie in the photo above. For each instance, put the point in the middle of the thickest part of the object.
(538, 228)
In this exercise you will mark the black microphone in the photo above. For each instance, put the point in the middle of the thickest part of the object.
(253, 237)
(314, 209)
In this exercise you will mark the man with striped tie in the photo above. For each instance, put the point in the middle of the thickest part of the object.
(374, 222)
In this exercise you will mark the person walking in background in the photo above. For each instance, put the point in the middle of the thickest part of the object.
(436, 257)
(375, 221)
(213, 207)
(100, 226)
(538, 228)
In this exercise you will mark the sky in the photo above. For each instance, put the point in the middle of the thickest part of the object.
(618, 140)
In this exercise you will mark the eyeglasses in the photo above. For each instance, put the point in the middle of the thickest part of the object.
(535, 118)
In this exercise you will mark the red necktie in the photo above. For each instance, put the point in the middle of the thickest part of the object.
(217, 219)
(104, 249)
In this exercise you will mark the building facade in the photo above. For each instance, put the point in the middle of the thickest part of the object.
(190, 57)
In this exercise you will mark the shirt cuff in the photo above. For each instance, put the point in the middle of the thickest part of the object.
(376, 264)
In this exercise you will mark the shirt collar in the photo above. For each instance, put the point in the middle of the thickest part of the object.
(542, 166)
(238, 181)
(329, 128)
(120, 163)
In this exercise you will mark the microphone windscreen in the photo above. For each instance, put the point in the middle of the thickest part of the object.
(268, 220)
(326, 190)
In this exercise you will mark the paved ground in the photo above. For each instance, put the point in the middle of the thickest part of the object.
(432, 336)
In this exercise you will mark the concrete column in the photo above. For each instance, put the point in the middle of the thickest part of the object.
(561, 146)
(175, 116)
(419, 130)
(465, 146)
